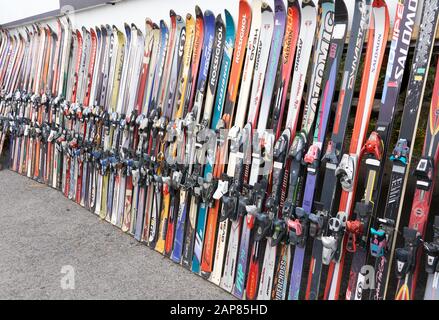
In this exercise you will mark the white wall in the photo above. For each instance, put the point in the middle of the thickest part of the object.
(135, 11)
(12, 10)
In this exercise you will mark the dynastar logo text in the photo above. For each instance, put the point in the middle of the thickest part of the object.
(357, 52)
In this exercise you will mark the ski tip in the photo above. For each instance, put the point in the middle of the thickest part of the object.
(341, 12)
(309, 3)
(172, 13)
(208, 13)
(229, 18)
(219, 19)
(266, 7)
(198, 12)
(148, 22)
(292, 3)
(257, 4)
(155, 26)
(379, 3)
(133, 27)
(188, 17)
(103, 31)
(243, 4)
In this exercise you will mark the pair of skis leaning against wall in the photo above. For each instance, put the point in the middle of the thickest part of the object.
(239, 227)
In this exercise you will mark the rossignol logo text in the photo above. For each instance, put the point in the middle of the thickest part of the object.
(216, 57)
(242, 32)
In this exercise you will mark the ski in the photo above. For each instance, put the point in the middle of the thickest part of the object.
(205, 185)
(240, 133)
(335, 241)
(260, 140)
(181, 101)
(382, 239)
(275, 201)
(173, 201)
(312, 157)
(245, 16)
(287, 220)
(193, 124)
(376, 146)
(431, 251)
(270, 27)
(408, 256)
(166, 107)
(334, 148)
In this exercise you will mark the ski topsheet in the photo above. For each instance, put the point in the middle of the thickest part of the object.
(376, 147)
(239, 135)
(426, 185)
(181, 135)
(331, 157)
(181, 101)
(294, 166)
(312, 157)
(240, 138)
(174, 79)
(346, 171)
(408, 257)
(401, 155)
(206, 188)
(240, 143)
(193, 119)
(274, 202)
(431, 251)
(245, 15)
(214, 44)
(237, 214)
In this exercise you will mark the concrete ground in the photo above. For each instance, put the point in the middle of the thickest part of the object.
(46, 238)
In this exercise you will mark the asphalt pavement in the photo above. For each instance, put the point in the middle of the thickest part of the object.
(52, 248)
